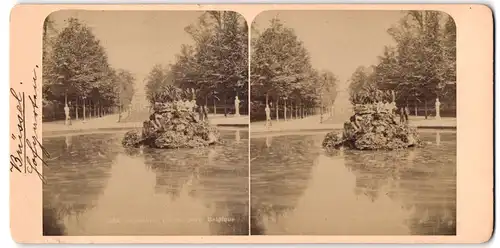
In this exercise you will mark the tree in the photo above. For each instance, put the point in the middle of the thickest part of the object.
(217, 63)
(280, 66)
(78, 63)
(362, 87)
(327, 89)
(48, 39)
(422, 63)
(159, 77)
(449, 90)
(125, 88)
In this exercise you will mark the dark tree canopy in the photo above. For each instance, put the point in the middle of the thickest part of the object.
(421, 65)
(76, 68)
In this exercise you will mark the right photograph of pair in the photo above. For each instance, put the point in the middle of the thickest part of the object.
(353, 123)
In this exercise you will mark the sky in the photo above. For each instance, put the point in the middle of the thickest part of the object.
(135, 40)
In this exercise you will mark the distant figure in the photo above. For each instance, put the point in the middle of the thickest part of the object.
(407, 113)
(68, 117)
(268, 116)
(401, 115)
(200, 113)
(205, 112)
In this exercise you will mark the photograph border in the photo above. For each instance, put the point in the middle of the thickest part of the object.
(475, 214)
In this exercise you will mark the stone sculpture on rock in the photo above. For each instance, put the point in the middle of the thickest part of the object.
(173, 124)
(373, 128)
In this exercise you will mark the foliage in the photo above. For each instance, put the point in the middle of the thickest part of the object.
(75, 67)
(421, 66)
(216, 65)
(281, 68)
(125, 85)
(79, 61)
(159, 78)
(171, 93)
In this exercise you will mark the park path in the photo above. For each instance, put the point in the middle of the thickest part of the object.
(110, 123)
(312, 123)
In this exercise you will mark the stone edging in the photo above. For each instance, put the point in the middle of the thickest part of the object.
(111, 129)
(339, 128)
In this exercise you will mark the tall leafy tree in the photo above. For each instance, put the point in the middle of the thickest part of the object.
(125, 88)
(216, 66)
(328, 87)
(280, 66)
(78, 62)
(421, 66)
(159, 77)
(361, 86)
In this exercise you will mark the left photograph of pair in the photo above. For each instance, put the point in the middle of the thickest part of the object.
(145, 118)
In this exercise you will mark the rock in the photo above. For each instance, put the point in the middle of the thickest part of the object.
(132, 139)
(369, 129)
(333, 140)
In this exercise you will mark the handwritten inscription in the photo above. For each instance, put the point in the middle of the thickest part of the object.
(23, 160)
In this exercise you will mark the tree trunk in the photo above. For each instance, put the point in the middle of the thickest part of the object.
(321, 114)
(84, 110)
(215, 108)
(225, 105)
(425, 106)
(76, 108)
(277, 110)
(206, 101)
(90, 110)
(284, 108)
(296, 111)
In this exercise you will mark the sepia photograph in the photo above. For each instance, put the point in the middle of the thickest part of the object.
(353, 123)
(145, 118)
(251, 123)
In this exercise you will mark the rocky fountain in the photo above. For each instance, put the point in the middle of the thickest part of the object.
(373, 127)
(173, 124)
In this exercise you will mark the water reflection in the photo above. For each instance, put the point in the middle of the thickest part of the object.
(96, 187)
(76, 175)
(277, 187)
(351, 192)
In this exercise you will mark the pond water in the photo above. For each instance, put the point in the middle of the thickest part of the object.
(299, 189)
(96, 187)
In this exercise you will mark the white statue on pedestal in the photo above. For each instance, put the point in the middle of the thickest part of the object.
(237, 106)
(66, 112)
(438, 104)
(268, 116)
